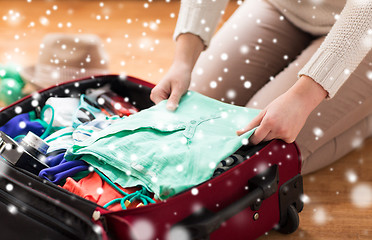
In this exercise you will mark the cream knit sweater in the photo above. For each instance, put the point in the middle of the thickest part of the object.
(349, 28)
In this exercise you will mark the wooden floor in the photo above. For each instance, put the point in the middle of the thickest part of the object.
(137, 37)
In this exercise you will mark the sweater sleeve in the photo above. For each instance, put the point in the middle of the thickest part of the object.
(345, 46)
(199, 17)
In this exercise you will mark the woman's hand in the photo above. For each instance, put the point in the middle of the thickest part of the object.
(284, 117)
(174, 84)
(177, 80)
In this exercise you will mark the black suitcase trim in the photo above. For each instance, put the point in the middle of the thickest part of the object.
(58, 219)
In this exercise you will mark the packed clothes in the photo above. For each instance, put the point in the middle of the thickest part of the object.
(167, 152)
(125, 161)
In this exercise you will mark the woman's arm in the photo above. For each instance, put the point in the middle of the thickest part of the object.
(349, 40)
(177, 80)
(196, 24)
(345, 46)
(284, 117)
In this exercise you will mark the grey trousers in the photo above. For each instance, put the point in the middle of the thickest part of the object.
(255, 57)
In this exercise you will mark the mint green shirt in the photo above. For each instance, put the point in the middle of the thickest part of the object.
(167, 152)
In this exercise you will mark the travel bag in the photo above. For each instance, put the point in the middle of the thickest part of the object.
(261, 193)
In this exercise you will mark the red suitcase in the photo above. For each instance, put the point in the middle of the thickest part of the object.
(262, 193)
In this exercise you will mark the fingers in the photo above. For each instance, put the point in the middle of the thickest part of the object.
(269, 136)
(259, 134)
(173, 100)
(254, 123)
(159, 93)
(155, 96)
(262, 132)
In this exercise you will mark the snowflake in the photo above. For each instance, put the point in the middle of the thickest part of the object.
(224, 56)
(247, 84)
(9, 187)
(305, 199)
(179, 168)
(199, 71)
(34, 103)
(317, 2)
(231, 94)
(194, 191)
(320, 216)
(361, 195)
(369, 75)
(356, 142)
(213, 84)
(142, 229)
(133, 157)
(318, 132)
(44, 21)
(179, 233)
(351, 176)
(18, 110)
(99, 190)
(212, 165)
(12, 209)
(244, 49)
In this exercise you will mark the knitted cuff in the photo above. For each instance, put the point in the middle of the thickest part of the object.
(328, 70)
(199, 18)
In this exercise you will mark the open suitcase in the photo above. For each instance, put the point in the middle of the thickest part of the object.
(244, 202)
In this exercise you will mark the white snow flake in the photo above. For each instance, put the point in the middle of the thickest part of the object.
(194, 191)
(231, 94)
(247, 84)
(244, 49)
(318, 132)
(213, 84)
(320, 216)
(12, 209)
(224, 56)
(361, 195)
(351, 176)
(179, 233)
(9, 187)
(369, 75)
(142, 229)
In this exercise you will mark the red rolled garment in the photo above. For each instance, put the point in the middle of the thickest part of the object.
(95, 189)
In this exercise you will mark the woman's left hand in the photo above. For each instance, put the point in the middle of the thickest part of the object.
(284, 117)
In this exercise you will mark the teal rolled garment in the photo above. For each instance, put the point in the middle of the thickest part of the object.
(167, 152)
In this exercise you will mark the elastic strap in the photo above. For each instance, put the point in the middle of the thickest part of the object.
(48, 126)
(141, 195)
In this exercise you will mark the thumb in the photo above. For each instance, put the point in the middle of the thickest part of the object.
(173, 100)
(254, 123)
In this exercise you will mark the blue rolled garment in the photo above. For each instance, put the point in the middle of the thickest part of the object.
(22, 124)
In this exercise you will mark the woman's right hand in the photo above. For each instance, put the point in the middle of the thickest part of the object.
(173, 85)
(177, 80)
